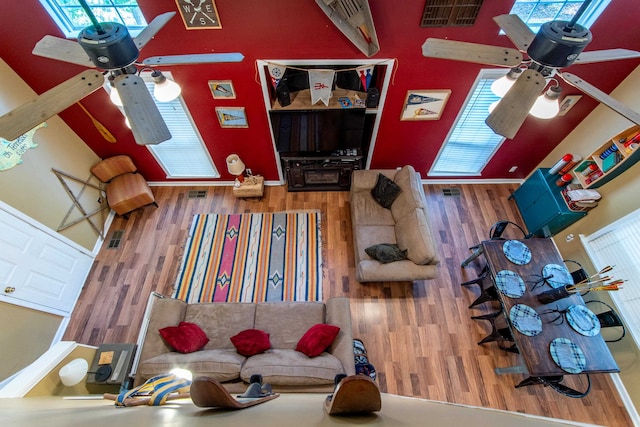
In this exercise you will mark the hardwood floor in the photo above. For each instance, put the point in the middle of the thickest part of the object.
(419, 335)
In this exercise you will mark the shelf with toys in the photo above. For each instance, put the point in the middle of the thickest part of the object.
(610, 159)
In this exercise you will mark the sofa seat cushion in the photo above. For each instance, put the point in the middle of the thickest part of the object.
(221, 320)
(369, 235)
(222, 365)
(369, 212)
(414, 235)
(290, 367)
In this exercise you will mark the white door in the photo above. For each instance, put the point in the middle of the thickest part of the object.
(38, 268)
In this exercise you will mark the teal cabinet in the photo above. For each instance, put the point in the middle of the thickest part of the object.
(542, 206)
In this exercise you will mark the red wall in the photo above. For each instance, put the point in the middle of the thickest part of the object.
(295, 29)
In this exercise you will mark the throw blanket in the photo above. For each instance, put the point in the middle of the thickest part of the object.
(252, 258)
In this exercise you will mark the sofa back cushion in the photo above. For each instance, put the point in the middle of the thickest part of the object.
(414, 235)
(287, 322)
(221, 320)
(411, 196)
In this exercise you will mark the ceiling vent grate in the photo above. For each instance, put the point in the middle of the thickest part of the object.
(450, 13)
(116, 239)
(197, 194)
(451, 192)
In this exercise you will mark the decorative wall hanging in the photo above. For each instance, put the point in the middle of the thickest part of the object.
(353, 18)
(222, 89)
(11, 152)
(424, 104)
(320, 84)
(567, 103)
(232, 117)
(199, 14)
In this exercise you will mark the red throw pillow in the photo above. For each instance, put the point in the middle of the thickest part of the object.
(251, 341)
(186, 337)
(317, 339)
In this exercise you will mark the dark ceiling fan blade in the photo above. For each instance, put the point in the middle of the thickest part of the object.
(471, 52)
(62, 50)
(513, 108)
(606, 55)
(601, 97)
(147, 124)
(29, 115)
(517, 31)
(203, 58)
(151, 29)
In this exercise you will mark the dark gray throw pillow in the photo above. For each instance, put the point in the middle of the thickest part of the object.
(385, 191)
(386, 252)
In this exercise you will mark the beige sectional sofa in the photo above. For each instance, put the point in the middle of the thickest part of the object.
(406, 224)
(282, 366)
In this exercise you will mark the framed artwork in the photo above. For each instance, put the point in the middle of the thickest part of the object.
(232, 117)
(222, 89)
(199, 14)
(424, 104)
(567, 103)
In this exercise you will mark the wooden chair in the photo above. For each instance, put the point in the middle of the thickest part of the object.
(126, 190)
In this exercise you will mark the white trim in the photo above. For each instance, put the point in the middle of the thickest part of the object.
(626, 399)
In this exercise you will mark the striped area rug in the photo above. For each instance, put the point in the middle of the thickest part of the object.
(252, 258)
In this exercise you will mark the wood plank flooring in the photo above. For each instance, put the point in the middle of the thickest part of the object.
(419, 335)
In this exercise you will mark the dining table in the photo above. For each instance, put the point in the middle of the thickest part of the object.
(553, 337)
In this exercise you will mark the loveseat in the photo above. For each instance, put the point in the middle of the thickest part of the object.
(281, 366)
(405, 224)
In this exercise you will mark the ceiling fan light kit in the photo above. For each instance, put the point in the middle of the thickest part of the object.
(502, 85)
(547, 105)
(164, 90)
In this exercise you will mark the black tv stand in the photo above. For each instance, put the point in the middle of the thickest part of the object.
(320, 173)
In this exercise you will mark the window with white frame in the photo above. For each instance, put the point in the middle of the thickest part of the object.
(470, 143)
(536, 12)
(184, 155)
(71, 18)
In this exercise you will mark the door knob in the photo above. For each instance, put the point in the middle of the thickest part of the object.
(9, 290)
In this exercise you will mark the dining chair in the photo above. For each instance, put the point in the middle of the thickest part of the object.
(496, 232)
(487, 292)
(612, 328)
(497, 334)
(578, 274)
(555, 382)
(126, 190)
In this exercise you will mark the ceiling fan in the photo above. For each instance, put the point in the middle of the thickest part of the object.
(108, 47)
(557, 44)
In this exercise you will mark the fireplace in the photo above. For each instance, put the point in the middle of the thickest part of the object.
(320, 173)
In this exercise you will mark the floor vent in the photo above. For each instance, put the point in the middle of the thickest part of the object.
(116, 239)
(197, 194)
(451, 192)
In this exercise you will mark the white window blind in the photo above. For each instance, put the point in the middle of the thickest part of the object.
(471, 143)
(536, 12)
(618, 245)
(184, 155)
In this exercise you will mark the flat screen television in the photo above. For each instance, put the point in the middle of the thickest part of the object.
(318, 131)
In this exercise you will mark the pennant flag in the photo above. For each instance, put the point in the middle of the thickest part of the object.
(365, 73)
(420, 99)
(276, 72)
(11, 152)
(320, 82)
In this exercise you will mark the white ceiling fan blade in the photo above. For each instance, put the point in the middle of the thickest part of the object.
(471, 52)
(147, 124)
(29, 115)
(62, 50)
(513, 108)
(517, 31)
(601, 97)
(606, 55)
(151, 29)
(203, 58)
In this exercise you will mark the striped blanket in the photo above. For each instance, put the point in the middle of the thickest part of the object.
(252, 258)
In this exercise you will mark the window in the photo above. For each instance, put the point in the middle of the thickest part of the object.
(471, 143)
(536, 12)
(184, 155)
(71, 18)
(618, 244)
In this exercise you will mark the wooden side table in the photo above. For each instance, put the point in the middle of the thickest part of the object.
(252, 186)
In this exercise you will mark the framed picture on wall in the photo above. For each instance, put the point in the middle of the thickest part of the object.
(424, 104)
(232, 117)
(222, 89)
(204, 16)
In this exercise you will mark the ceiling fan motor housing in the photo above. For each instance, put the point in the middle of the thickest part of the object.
(110, 47)
(556, 45)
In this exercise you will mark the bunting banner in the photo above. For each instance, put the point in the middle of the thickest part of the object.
(320, 83)
(365, 72)
(276, 72)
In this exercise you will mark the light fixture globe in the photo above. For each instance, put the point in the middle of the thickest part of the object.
(164, 90)
(502, 85)
(73, 372)
(547, 105)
